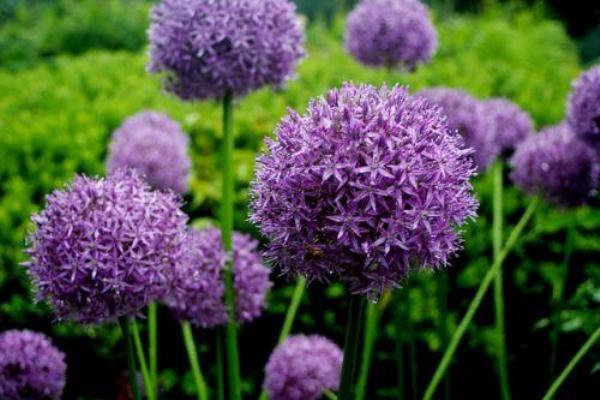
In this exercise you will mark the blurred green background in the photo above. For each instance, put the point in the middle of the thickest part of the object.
(71, 71)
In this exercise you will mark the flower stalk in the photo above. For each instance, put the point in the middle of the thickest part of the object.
(190, 347)
(351, 342)
(139, 348)
(131, 369)
(153, 346)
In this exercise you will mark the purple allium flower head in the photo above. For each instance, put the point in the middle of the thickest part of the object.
(584, 105)
(368, 184)
(508, 123)
(557, 164)
(467, 116)
(198, 293)
(104, 248)
(30, 367)
(207, 48)
(302, 368)
(155, 147)
(391, 33)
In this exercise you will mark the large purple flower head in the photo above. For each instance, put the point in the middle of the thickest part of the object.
(556, 164)
(30, 367)
(368, 184)
(584, 105)
(302, 368)
(198, 293)
(391, 33)
(155, 146)
(207, 48)
(104, 248)
(508, 123)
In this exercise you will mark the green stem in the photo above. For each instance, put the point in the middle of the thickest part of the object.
(139, 348)
(351, 346)
(220, 367)
(330, 395)
(476, 302)
(399, 345)
(498, 215)
(131, 370)
(369, 339)
(233, 361)
(190, 347)
(412, 350)
(153, 346)
(565, 373)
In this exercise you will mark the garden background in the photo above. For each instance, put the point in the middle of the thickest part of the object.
(71, 71)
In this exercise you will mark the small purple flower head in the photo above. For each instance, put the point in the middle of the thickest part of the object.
(508, 123)
(556, 164)
(30, 367)
(302, 368)
(153, 145)
(367, 185)
(198, 293)
(104, 248)
(466, 115)
(207, 48)
(391, 33)
(584, 105)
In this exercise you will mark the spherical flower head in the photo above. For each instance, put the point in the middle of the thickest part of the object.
(508, 123)
(153, 145)
(584, 105)
(557, 164)
(466, 115)
(104, 248)
(30, 367)
(207, 48)
(391, 33)
(302, 368)
(198, 293)
(368, 184)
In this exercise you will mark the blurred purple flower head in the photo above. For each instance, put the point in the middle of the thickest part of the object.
(302, 368)
(153, 145)
(391, 33)
(365, 186)
(508, 123)
(198, 293)
(206, 48)
(556, 164)
(467, 116)
(30, 367)
(584, 105)
(104, 248)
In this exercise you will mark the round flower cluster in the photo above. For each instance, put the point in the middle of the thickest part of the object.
(30, 367)
(391, 33)
(584, 105)
(155, 147)
(207, 48)
(198, 293)
(558, 165)
(508, 124)
(368, 184)
(302, 368)
(104, 248)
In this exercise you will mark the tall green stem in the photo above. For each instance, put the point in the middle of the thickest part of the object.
(153, 346)
(139, 348)
(190, 347)
(498, 216)
(369, 339)
(565, 373)
(412, 350)
(399, 345)
(220, 367)
(476, 302)
(351, 346)
(131, 370)
(233, 361)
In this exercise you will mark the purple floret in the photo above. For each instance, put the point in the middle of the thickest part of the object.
(207, 48)
(367, 185)
(198, 291)
(508, 123)
(391, 33)
(302, 368)
(584, 106)
(153, 145)
(558, 165)
(104, 248)
(31, 368)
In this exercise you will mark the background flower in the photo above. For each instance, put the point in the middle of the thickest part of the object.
(508, 123)
(584, 105)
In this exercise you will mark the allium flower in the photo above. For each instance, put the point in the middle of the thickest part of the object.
(207, 48)
(391, 33)
(584, 105)
(198, 291)
(104, 248)
(557, 164)
(367, 185)
(155, 146)
(508, 123)
(302, 368)
(30, 367)
(466, 115)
